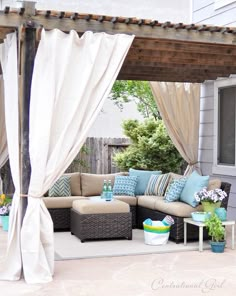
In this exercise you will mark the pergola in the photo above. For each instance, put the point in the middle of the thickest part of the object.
(160, 52)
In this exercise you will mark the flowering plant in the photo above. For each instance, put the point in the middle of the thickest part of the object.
(5, 205)
(5, 210)
(212, 196)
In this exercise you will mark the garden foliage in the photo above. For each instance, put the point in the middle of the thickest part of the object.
(151, 148)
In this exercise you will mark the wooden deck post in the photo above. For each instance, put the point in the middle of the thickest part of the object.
(27, 55)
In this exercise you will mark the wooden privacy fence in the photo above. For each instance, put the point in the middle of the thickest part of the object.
(96, 156)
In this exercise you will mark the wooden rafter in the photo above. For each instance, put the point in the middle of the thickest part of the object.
(160, 51)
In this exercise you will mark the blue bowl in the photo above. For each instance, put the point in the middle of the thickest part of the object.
(200, 216)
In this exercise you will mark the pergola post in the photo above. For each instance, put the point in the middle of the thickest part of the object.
(27, 50)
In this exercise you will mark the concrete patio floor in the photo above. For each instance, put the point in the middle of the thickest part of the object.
(184, 273)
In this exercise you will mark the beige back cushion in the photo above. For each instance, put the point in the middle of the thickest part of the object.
(174, 176)
(75, 185)
(213, 184)
(92, 184)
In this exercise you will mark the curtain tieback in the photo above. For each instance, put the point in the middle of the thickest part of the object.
(24, 195)
(27, 195)
(193, 163)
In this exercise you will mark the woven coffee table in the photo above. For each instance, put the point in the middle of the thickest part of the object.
(99, 219)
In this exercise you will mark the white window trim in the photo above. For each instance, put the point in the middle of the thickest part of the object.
(221, 3)
(217, 168)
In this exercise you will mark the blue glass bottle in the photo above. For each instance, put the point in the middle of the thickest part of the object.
(109, 195)
(104, 190)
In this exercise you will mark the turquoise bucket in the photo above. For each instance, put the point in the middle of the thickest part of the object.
(5, 223)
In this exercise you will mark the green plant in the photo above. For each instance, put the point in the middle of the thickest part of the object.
(151, 148)
(4, 200)
(125, 91)
(215, 228)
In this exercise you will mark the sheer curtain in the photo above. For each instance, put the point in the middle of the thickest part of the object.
(179, 106)
(3, 135)
(68, 91)
(11, 268)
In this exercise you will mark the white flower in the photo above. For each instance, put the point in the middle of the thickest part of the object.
(213, 196)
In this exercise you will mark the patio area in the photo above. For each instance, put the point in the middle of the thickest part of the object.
(181, 273)
(160, 52)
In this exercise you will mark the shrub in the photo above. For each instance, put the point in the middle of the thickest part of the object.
(151, 148)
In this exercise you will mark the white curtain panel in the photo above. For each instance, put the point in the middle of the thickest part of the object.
(3, 135)
(72, 78)
(179, 106)
(11, 268)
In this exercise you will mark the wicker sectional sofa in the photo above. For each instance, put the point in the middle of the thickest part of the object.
(142, 207)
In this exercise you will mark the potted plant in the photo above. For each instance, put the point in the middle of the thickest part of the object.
(217, 233)
(210, 199)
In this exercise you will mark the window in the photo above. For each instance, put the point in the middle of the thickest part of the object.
(225, 127)
(222, 3)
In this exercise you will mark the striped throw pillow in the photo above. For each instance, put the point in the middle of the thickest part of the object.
(175, 189)
(157, 184)
(61, 187)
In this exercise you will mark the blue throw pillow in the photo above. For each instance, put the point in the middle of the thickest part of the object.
(125, 185)
(143, 179)
(194, 183)
(174, 189)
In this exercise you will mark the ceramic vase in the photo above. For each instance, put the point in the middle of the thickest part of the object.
(5, 223)
(221, 213)
(210, 206)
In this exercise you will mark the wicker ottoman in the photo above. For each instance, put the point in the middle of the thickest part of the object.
(100, 219)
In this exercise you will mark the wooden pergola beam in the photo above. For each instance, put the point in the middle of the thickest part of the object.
(143, 29)
(162, 78)
(182, 47)
(151, 64)
(163, 70)
(192, 52)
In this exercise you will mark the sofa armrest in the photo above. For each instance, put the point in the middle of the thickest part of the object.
(226, 187)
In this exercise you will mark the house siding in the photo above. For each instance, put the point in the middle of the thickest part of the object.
(203, 12)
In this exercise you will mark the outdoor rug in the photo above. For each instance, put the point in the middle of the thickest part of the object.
(68, 247)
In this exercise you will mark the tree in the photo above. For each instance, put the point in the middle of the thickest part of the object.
(151, 148)
(125, 91)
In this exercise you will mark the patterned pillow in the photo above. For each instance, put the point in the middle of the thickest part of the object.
(125, 185)
(61, 187)
(174, 189)
(157, 184)
(143, 178)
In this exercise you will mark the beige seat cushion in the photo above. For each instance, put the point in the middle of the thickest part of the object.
(61, 202)
(176, 208)
(131, 200)
(100, 206)
(75, 185)
(92, 184)
(148, 201)
(214, 184)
